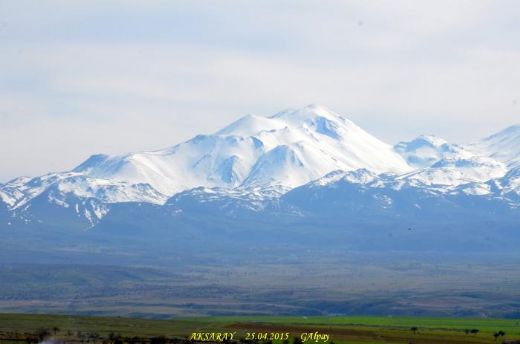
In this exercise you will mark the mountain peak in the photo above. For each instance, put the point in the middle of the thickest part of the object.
(422, 141)
(317, 110)
(309, 113)
(426, 150)
(269, 155)
(432, 139)
(286, 150)
(316, 107)
(313, 119)
(250, 125)
(91, 162)
(511, 130)
(503, 146)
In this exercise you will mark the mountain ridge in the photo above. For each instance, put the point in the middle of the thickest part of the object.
(259, 159)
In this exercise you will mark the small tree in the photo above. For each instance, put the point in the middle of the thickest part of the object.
(498, 334)
(414, 329)
(475, 331)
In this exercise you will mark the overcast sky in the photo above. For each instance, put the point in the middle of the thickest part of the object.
(84, 77)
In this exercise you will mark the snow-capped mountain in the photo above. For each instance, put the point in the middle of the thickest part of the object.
(367, 211)
(288, 149)
(81, 186)
(457, 171)
(509, 185)
(503, 146)
(426, 150)
(282, 151)
(438, 162)
(288, 163)
(81, 196)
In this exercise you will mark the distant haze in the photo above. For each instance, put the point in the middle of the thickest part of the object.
(85, 77)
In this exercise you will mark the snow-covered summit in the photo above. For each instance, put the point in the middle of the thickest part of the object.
(452, 172)
(503, 146)
(264, 157)
(276, 152)
(288, 149)
(426, 150)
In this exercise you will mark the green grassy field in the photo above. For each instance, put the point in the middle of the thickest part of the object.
(340, 329)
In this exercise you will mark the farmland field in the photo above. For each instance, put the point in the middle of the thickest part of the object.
(340, 329)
